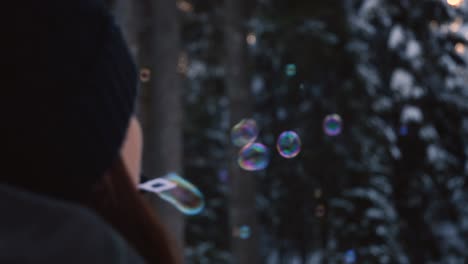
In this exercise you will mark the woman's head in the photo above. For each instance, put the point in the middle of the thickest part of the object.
(67, 115)
(68, 94)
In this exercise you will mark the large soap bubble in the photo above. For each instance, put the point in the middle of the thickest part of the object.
(184, 196)
(254, 157)
(244, 132)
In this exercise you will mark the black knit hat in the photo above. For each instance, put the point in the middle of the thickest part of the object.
(68, 88)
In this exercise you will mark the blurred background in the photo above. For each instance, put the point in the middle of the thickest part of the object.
(375, 92)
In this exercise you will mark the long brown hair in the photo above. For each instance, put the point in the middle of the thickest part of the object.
(127, 211)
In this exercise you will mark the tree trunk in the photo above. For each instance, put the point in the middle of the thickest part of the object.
(125, 15)
(242, 209)
(161, 104)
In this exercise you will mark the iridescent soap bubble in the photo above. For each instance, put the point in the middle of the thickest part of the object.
(290, 70)
(185, 196)
(350, 256)
(244, 132)
(332, 125)
(254, 157)
(288, 144)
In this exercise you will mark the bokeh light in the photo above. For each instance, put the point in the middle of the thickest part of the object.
(289, 144)
(185, 6)
(290, 70)
(455, 3)
(223, 175)
(185, 196)
(145, 75)
(242, 232)
(456, 24)
(320, 211)
(350, 256)
(251, 39)
(332, 125)
(318, 193)
(403, 130)
(254, 157)
(244, 132)
(183, 63)
(460, 48)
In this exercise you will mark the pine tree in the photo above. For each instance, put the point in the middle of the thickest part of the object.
(409, 60)
(391, 187)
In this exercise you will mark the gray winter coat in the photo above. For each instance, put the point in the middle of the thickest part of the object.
(35, 229)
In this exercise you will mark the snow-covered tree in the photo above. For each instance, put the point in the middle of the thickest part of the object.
(410, 55)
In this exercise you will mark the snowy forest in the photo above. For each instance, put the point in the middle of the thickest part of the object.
(303, 132)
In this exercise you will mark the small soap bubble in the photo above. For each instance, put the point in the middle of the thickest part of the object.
(185, 196)
(350, 256)
(290, 70)
(244, 132)
(145, 75)
(289, 144)
(320, 211)
(254, 157)
(242, 232)
(332, 125)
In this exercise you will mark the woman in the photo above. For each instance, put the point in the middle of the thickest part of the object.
(70, 140)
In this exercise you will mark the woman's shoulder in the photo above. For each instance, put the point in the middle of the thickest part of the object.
(36, 229)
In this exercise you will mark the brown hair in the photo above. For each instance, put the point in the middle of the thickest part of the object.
(116, 200)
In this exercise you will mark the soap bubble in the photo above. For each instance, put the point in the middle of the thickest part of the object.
(332, 125)
(350, 256)
(185, 196)
(254, 157)
(289, 144)
(242, 232)
(244, 132)
(290, 70)
(145, 75)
